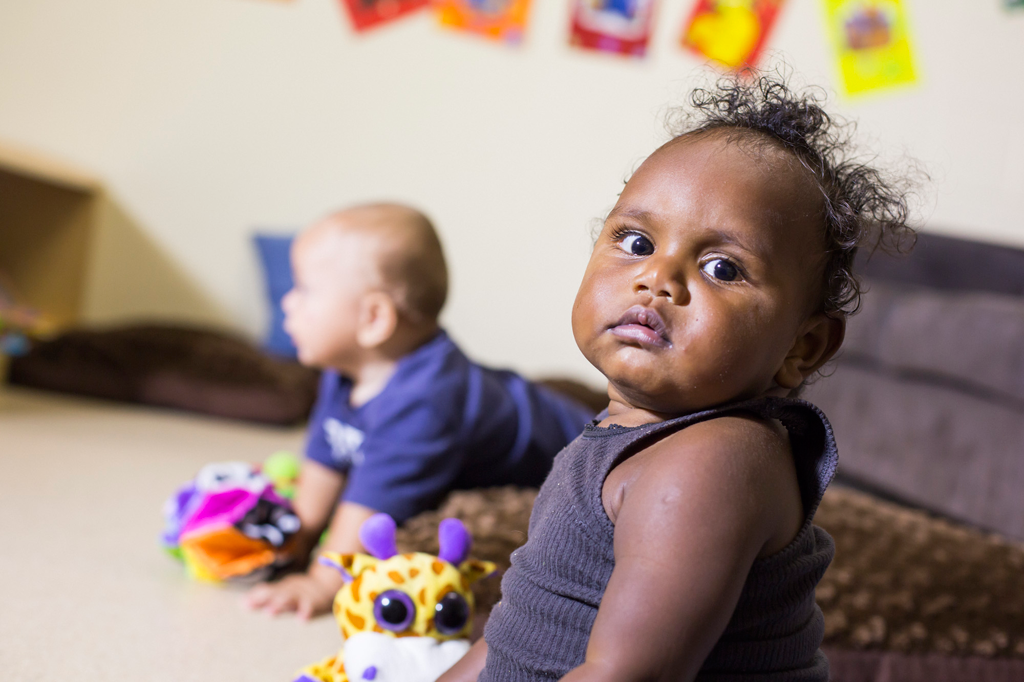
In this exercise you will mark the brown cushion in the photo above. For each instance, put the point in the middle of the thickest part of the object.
(197, 370)
(940, 262)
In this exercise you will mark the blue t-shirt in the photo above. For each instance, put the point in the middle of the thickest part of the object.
(441, 423)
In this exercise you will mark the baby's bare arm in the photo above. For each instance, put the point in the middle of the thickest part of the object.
(316, 497)
(696, 511)
(311, 593)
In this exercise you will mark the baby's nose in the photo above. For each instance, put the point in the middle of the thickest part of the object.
(662, 279)
(288, 300)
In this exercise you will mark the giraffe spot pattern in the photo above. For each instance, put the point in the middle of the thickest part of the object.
(396, 576)
(437, 566)
(358, 622)
(355, 588)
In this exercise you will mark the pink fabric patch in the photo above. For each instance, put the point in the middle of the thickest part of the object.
(224, 508)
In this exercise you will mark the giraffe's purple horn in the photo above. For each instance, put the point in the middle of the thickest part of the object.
(378, 536)
(454, 540)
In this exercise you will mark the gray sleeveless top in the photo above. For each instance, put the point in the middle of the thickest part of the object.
(550, 594)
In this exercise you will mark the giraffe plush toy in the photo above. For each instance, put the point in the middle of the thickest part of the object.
(404, 617)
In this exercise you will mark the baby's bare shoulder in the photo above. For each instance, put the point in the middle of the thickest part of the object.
(728, 446)
(739, 462)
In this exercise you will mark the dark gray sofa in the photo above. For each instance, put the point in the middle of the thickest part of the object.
(927, 395)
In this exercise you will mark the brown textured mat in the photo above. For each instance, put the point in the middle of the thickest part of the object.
(915, 588)
(907, 582)
(848, 665)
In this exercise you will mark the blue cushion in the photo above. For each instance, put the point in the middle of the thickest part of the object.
(274, 250)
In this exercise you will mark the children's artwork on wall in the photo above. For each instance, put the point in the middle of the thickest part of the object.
(731, 32)
(620, 26)
(501, 20)
(367, 14)
(872, 43)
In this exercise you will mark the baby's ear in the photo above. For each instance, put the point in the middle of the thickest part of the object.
(820, 337)
(378, 319)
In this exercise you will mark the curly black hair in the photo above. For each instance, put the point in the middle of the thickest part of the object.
(863, 206)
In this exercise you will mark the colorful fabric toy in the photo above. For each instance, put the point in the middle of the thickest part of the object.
(229, 522)
(404, 617)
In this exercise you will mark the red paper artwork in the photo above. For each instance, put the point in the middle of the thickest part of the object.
(367, 14)
(620, 26)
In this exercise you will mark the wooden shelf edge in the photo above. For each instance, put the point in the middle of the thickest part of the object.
(15, 159)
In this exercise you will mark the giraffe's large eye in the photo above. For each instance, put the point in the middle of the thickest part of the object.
(394, 610)
(451, 613)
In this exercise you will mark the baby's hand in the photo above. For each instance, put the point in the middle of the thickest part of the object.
(307, 594)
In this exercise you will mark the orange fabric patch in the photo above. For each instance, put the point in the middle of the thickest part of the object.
(396, 576)
(413, 572)
(355, 588)
(437, 566)
(357, 621)
(226, 553)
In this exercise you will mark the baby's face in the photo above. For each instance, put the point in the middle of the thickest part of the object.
(702, 275)
(333, 270)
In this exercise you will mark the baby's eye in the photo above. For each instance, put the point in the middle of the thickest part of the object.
(721, 269)
(636, 244)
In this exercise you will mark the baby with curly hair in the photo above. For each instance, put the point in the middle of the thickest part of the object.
(674, 539)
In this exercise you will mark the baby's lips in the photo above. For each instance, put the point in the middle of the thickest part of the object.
(639, 333)
(645, 317)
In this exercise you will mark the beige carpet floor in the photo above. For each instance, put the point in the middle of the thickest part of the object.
(86, 592)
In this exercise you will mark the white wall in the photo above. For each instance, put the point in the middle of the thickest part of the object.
(211, 117)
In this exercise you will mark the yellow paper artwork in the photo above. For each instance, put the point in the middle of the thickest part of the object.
(730, 32)
(872, 43)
